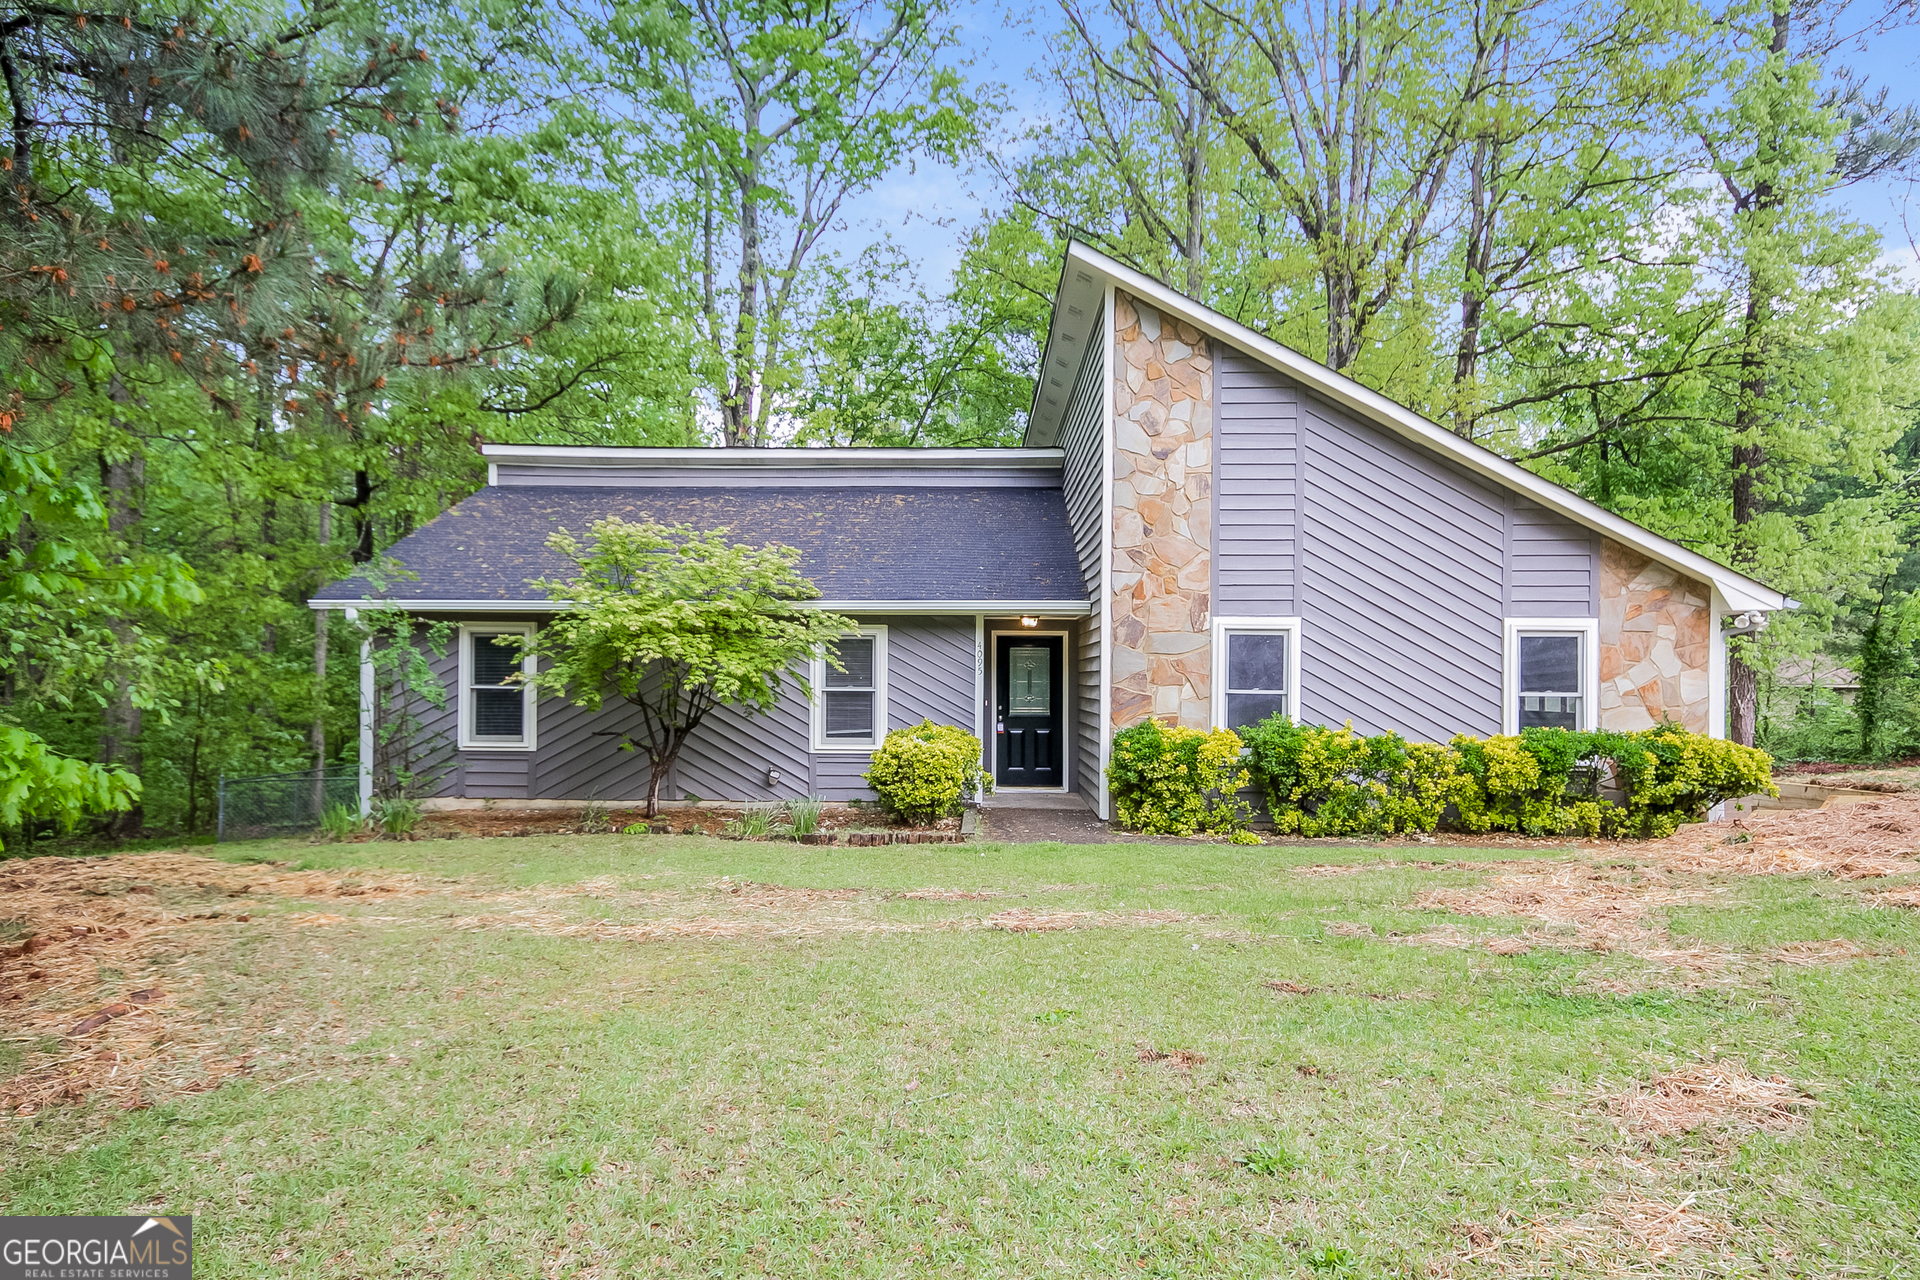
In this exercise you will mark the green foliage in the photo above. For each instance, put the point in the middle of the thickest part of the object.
(927, 771)
(398, 815)
(1172, 780)
(1548, 781)
(677, 621)
(803, 816)
(37, 783)
(1334, 782)
(754, 823)
(339, 821)
(1267, 1161)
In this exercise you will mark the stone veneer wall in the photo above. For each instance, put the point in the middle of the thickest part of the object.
(1655, 626)
(1162, 519)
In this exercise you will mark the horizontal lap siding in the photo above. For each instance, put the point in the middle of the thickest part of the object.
(1402, 584)
(930, 675)
(1256, 488)
(1083, 479)
(1084, 450)
(1084, 654)
(1553, 565)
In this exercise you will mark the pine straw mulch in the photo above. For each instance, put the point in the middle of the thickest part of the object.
(1717, 1093)
(1627, 1234)
(83, 982)
(1640, 1226)
(1614, 897)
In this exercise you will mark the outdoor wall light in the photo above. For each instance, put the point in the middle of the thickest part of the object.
(1029, 622)
(773, 777)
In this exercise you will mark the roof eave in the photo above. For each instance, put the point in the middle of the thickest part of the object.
(1741, 593)
(955, 608)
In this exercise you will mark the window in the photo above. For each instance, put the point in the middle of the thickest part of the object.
(1256, 662)
(1551, 669)
(496, 709)
(850, 704)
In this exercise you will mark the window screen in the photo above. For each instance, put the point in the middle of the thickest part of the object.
(499, 708)
(1550, 692)
(849, 694)
(1256, 677)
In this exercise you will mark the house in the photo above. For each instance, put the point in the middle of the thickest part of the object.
(1202, 525)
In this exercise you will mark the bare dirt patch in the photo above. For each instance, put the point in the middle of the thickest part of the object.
(1718, 1094)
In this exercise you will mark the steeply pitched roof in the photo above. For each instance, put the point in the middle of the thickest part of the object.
(859, 544)
(1087, 273)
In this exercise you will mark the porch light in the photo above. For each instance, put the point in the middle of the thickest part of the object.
(1029, 622)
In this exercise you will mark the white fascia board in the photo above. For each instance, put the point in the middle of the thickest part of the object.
(1741, 592)
(994, 608)
(756, 459)
(446, 606)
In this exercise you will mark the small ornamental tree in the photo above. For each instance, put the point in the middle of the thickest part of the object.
(677, 622)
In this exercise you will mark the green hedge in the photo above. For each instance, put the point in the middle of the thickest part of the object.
(1172, 781)
(924, 772)
(1318, 781)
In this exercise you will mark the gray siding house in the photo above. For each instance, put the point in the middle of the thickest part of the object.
(1202, 526)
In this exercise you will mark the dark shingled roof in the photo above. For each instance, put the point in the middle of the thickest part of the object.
(904, 543)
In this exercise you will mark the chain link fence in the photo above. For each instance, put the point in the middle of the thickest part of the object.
(271, 804)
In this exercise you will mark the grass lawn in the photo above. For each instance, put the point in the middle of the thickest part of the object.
(592, 1056)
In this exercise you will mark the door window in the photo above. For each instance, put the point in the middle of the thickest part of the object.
(1029, 681)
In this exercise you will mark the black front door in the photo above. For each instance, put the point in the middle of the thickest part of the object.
(1027, 750)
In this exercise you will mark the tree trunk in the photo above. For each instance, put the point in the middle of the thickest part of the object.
(1743, 699)
(122, 482)
(1749, 453)
(362, 505)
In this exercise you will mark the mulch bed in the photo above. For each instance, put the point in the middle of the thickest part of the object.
(848, 824)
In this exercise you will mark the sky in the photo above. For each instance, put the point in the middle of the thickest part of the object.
(929, 208)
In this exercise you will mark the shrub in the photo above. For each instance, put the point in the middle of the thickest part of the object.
(1672, 776)
(1547, 781)
(754, 823)
(1333, 782)
(1174, 781)
(927, 771)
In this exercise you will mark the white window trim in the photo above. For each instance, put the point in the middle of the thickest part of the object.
(1222, 627)
(1588, 629)
(882, 703)
(468, 742)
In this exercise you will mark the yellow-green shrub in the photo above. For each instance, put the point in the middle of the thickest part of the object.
(925, 771)
(1174, 781)
(1331, 782)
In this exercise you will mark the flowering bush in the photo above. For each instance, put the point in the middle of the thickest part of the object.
(926, 771)
(1173, 781)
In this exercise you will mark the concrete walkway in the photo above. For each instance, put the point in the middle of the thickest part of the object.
(1032, 817)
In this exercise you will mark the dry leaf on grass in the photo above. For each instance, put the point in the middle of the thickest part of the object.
(1509, 946)
(1349, 929)
(1707, 1093)
(1289, 988)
